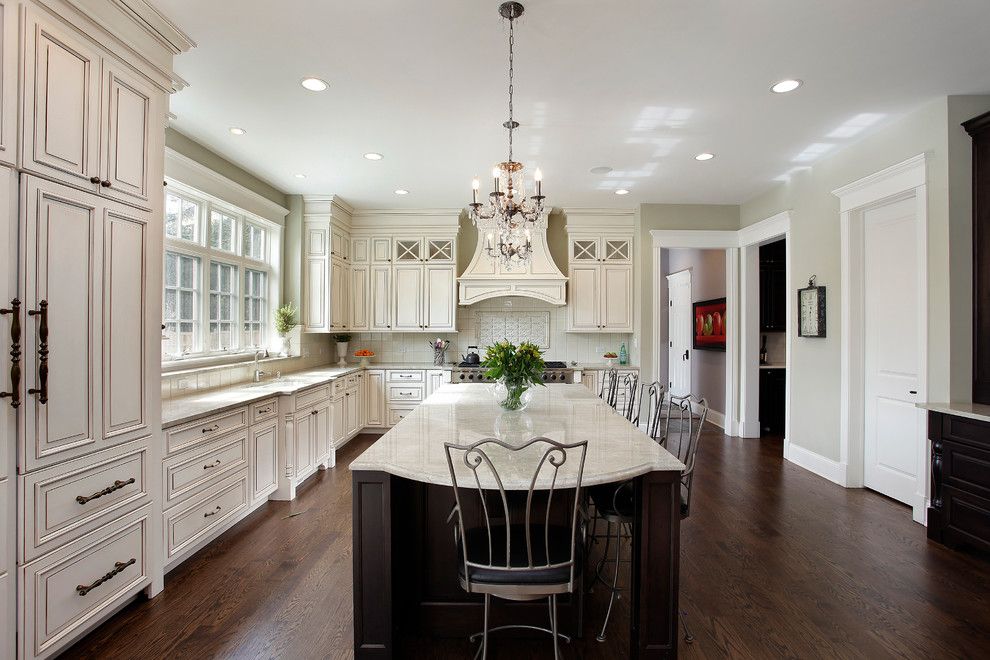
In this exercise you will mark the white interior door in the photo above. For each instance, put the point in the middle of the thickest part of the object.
(893, 426)
(679, 330)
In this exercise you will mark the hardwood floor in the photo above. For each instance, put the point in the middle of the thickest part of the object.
(776, 562)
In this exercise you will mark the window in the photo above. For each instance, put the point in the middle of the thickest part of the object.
(221, 276)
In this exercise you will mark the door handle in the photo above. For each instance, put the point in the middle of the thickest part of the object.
(15, 353)
(42, 389)
(685, 356)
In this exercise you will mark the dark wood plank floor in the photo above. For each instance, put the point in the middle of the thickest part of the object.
(776, 562)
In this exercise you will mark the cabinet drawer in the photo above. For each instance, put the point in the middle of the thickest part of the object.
(63, 502)
(354, 380)
(413, 393)
(338, 386)
(194, 521)
(966, 467)
(189, 435)
(396, 415)
(263, 410)
(311, 397)
(966, 517)
(74, 587)
(407, 376)
(190, 471)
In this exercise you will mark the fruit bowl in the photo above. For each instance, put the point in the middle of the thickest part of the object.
(365, 356)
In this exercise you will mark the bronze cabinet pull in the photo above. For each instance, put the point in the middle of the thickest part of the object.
(315, 412)
(212, 513)
(265, 410)
(42, 389)
(94, 179)
(216, 427)
(118, 567)
(117, 485)
(15, 354)
(212, 465)
(106, 183)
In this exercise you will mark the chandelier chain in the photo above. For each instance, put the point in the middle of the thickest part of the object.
(512, 41)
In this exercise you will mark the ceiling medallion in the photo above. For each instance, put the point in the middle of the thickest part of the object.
(505, 224)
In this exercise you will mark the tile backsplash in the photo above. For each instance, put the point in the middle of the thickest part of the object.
(478, 323)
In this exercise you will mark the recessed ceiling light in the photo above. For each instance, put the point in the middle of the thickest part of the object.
(400, 191)
(601, 169)
(237, 131)
(373, 156)
(785, 86)
(314, 84)
(704, 156)
(300, 176)
(621, 191)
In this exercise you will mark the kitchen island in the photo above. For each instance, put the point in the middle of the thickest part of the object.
(405, 561)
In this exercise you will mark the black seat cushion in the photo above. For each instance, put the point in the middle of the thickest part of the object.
(560, 551)
(616, 500)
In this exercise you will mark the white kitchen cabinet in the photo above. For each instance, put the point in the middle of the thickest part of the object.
(434, 380)
(380, 304)
(374, 397)
(321, 439)
(128, 115)
(264, 460)
(8, 84)
(339, 294)
(590, 380)
(352, 410)
(381, 250)
(360, 250)
(440, 298)
(88, 377)
(315, 313)
(338, 417)
(61, 82)
(304, 449)
(407, 301)
(359, 301)
(601, 284)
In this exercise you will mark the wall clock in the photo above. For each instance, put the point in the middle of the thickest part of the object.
(811, 310)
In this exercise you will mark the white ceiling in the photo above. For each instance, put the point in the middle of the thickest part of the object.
(638, 85)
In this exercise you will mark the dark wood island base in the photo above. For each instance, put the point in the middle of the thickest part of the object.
(405, 569)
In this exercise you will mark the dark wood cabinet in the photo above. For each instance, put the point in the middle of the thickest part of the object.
(979, 129)
(773, 392)
(773, 287)
(960, 492)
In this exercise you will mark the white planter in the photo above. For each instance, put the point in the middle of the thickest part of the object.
(286, 349)
(342, 353)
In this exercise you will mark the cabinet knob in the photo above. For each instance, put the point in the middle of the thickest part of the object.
(106, 183)
(94, 179)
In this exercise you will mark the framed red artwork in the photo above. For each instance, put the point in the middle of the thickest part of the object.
(709, 325)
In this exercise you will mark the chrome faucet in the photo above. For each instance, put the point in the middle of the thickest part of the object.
(258, 373)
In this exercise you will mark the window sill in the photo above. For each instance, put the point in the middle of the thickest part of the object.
(198, 365)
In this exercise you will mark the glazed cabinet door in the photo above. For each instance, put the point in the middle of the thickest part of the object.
(63, 244)
(407, 308)
(125, 322)
(617, 298)
(583, 310)
(8, 81)
(303, 442)
(315, 314)
(359, 298)
(338, 420)
(440, 298)
(339, 298)
(380, 289)
(321, 432)
(352, 404)
(128, 113)
(264, 456)
(61, 102)
(374, 397)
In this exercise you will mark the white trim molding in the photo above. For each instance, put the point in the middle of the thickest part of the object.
(701, 239)
(834, 471)
(905, 180)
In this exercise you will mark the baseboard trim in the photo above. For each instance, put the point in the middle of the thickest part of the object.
(749, 429)
(824, 467)
(717, 418)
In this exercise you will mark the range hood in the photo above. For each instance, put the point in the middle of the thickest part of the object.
(539, 279)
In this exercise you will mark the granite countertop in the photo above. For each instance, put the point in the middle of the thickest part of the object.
(466, 413)
(979, 411)
(601, 366)
(179, 410)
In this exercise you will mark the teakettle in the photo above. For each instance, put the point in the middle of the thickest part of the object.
(471, 357)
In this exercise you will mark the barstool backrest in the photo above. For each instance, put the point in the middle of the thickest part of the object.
(547, 458)
(685, 419)
(630, 388)
(610, 386)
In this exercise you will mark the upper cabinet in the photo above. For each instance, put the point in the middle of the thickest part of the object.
(89, 119)
(600, 279)
(8, 82)
(773, 287)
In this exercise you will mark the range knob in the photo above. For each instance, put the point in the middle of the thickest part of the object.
(553, 376)
(462, 376)
(470, 376)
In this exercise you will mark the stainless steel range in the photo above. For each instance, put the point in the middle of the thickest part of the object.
(554, 372)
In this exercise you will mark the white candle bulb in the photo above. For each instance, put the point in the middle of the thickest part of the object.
(475, 184)
(538, 175)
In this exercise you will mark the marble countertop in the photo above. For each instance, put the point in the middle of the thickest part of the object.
(464, 414)
(980, 411)
(182, 409)
(601, 366)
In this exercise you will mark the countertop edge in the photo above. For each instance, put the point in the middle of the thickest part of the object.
(977, 411)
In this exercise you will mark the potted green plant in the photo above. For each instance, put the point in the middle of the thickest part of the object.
(516, 369)
(342, 340)
(285, 321)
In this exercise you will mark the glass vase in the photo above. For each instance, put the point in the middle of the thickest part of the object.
(512, 395)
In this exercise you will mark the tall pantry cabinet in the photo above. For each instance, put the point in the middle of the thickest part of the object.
(81, 171)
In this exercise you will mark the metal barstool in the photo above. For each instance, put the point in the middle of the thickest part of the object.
(677, 427)
(610, 387)
(629, 389)
(524, 560)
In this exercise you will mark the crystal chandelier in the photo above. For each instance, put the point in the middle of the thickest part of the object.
(505, 224)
